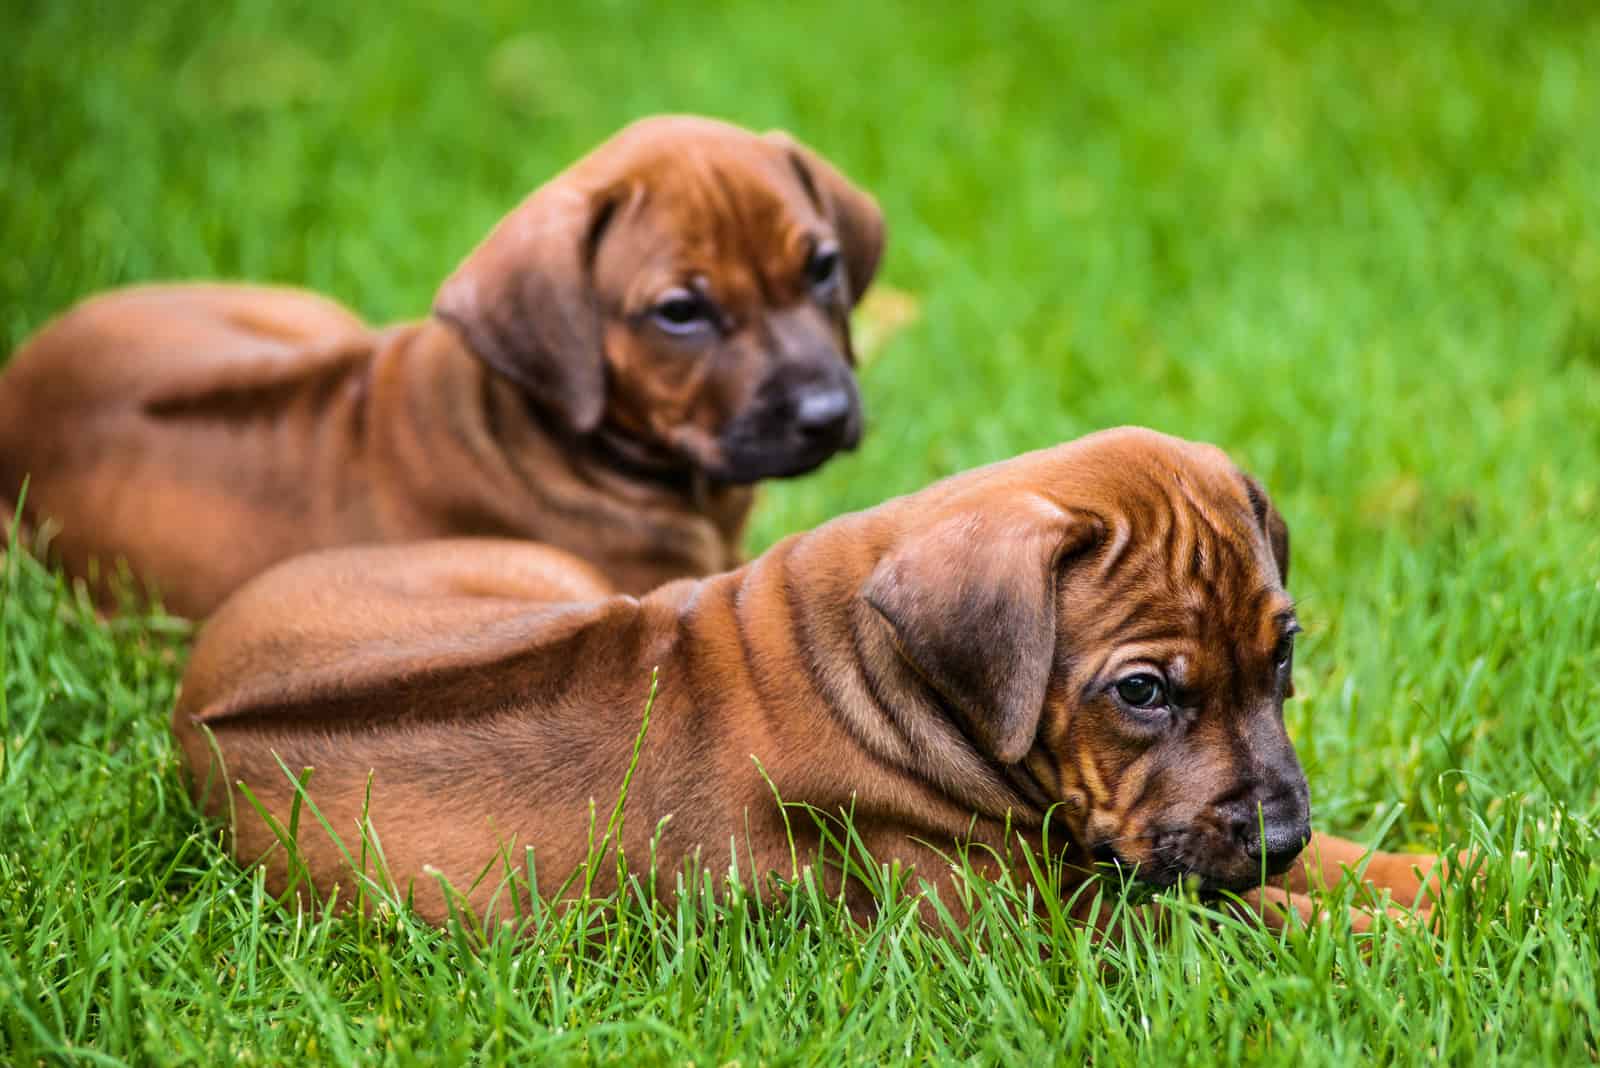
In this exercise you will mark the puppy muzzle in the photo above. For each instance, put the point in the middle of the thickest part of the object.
(1233, 847)
(794, 424)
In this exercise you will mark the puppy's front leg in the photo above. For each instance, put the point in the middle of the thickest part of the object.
(1278, 908)
(1274, 907)
(1412, 879)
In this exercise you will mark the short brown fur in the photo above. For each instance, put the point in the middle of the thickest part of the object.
(938, 665)
(205, 432)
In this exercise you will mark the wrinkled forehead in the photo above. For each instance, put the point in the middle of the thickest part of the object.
(1184, 554)
(713, 201)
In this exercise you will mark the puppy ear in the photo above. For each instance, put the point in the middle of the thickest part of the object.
(523, 303)
(1272, 524)
(852, 210)
(972, 607)
(1277, 532)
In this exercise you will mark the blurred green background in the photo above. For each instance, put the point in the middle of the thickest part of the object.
(1357, 245)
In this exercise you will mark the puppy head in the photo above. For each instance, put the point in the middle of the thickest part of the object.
(685, 291)
(1111, 613)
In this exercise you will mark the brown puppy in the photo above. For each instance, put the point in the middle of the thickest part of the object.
(653, 330)
(1097, 631)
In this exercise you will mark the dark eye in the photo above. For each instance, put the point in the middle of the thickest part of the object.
(681, 312)
(823, 266)
(1284, 652)
(1144, 691)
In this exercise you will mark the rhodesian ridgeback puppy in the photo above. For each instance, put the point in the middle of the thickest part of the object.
(647, 335)
(1094, 635)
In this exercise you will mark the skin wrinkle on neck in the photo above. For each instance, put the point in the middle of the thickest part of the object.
(898, 742)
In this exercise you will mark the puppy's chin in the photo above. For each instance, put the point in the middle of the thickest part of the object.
(743, 470)
(1207, 877)
(744, 461)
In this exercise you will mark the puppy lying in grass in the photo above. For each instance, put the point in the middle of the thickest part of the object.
(648, 335)
(1087, 646)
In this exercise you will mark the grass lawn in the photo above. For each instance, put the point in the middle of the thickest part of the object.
(1357, 244)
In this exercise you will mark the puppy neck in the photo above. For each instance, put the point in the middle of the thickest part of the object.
(836, 654)
(525, 474)
(614, 449)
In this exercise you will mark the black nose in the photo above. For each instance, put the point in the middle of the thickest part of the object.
(822, 412)
(1275, 833)
(1278, 846)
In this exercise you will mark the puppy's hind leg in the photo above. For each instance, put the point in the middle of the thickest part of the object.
(492, 567)
(320, 628)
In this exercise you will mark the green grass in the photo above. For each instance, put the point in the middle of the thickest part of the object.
(1358, 245)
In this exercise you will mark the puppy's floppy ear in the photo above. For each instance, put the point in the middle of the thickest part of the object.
(852, 210)
(971, 602)
(1271, 523)
(522, 301)
(1277, 532)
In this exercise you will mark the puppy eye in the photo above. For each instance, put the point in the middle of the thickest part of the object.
(681, 312)
(823, 266)
(1142, 691)
(1284, 651)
